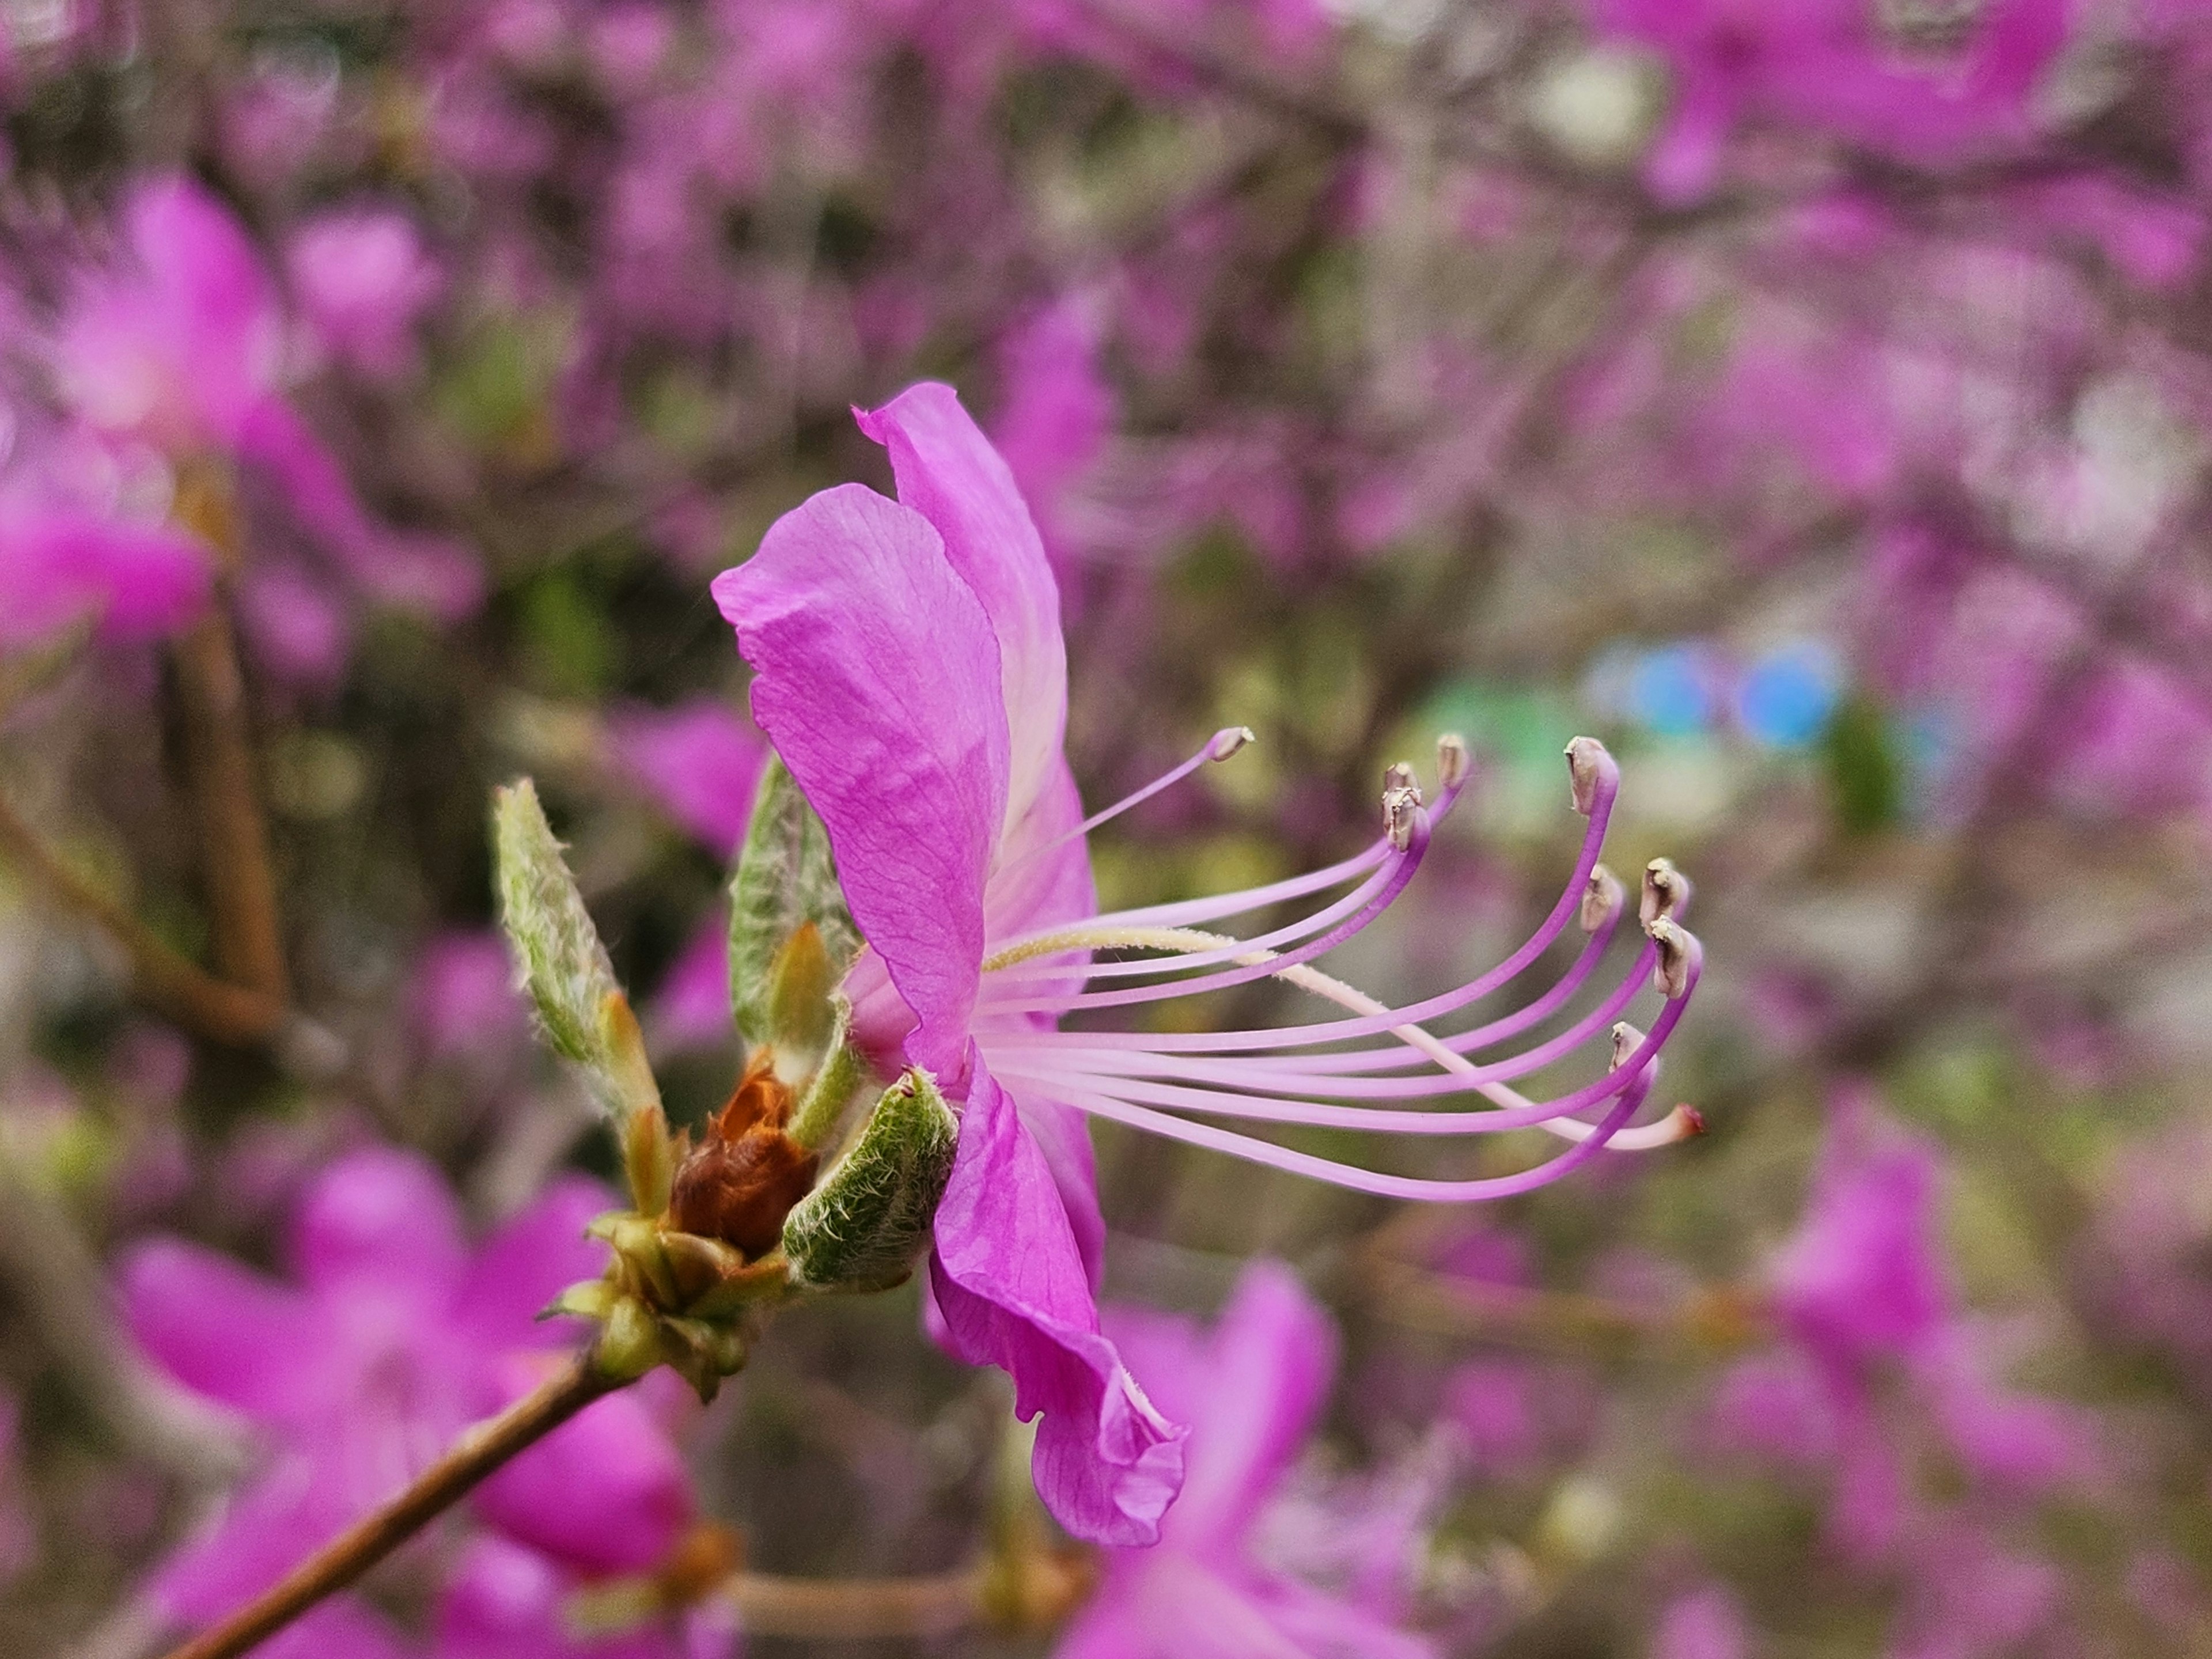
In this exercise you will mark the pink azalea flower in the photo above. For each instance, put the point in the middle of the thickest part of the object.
(699, 762)
(1251, 1389)
(911, 674)
(1826, 64)
(1058, 412)
(364, 279)
(393, 1339)
(691, 1007)
(179, 340)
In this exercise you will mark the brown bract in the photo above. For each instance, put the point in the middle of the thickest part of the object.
(741, 1181)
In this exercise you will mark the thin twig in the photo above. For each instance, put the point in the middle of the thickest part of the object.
(480, 1452)
(174, 984)
(234, 834)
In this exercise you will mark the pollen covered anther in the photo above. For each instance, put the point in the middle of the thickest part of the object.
(1677, 953)
(1666, 892)
(1452, 760)
(1228, 740)
(1401, 804)
(1593, 774)
(1601, 900)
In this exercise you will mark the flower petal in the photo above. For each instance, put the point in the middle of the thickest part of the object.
(1013, 1291)
(383, 1217)
(948, 472)
(878, 680)
(218, 1328)
(1266, 1375)
(532, 1258)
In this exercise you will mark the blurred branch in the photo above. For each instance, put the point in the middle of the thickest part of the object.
(63, 1295)
(234, 833)
(179, 988)
(857, 1610)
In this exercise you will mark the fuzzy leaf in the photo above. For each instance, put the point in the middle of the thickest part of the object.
(786, 878)
(585, 1019)
(862, 1227)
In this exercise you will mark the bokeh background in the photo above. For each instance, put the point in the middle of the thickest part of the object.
(1809, 397)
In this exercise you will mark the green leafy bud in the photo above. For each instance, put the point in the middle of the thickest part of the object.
(629, 1342)
(564, 965)
(862, 1227)
(702, 1353)
(593, 1299)
(585, 1016)
(786, 878)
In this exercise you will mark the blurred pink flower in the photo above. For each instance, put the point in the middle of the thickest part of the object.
(690, 1008)
(463, 996)
(1827, 64)
(699, 762)
(393, 1339)
(178, 341)
(1251, 1388)
(1056, 413)
(1705, 1624)
(363, 279)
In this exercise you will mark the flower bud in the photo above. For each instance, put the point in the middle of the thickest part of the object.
(581, 1010)
(785, 880)
(739, 1183)
(863, 1226)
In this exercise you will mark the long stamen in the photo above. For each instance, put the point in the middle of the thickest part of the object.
(1423, 1189)
(1354, 1075)
(1600, 915)
(1452, 767)
(1218, 747)
(1357, 909)
(1053, 1067)
(1596, 783)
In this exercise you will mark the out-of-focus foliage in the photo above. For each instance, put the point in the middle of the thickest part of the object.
(1812, 398)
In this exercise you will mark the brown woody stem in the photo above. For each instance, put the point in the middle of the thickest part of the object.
(234, 835)
(185, 992)
(478, 1454)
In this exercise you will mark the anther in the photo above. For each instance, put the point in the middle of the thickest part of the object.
(1401, 800)
(1452, 760)
(1666, 892)
(1601, 899)
(1590, 770)
(1678, 956)
(1400, 808)
(1227, 741)
(1626, 1039)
